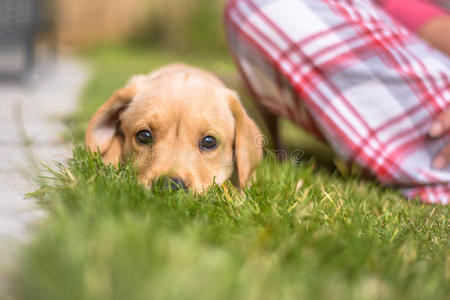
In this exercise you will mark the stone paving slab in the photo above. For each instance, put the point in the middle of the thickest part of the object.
(31, 133)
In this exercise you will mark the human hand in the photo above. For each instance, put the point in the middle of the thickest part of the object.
(440, 126)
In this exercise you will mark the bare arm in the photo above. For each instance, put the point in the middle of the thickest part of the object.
(437, 33)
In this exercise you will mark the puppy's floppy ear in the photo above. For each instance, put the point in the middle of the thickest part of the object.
(248, 151)
(103, 129)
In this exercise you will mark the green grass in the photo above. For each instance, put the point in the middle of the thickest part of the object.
(300, 232)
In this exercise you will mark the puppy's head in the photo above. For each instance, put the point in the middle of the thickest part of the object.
(181, 125)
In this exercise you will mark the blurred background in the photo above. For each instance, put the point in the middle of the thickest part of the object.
(32, 31)
(180, 24)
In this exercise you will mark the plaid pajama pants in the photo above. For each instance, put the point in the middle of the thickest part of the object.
(346, 71)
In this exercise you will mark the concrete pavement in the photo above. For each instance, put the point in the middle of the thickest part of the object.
(30, 133)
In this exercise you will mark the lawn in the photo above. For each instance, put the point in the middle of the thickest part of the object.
(302, 231)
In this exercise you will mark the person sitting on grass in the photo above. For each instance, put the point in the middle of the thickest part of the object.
(370, 77)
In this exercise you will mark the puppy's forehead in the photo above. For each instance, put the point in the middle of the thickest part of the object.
(180, 95)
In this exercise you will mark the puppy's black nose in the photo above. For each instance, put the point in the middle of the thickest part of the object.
(174, 184)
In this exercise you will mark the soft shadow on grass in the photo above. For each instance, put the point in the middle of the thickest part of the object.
(300, 232)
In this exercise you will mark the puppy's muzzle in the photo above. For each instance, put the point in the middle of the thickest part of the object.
(171, 183)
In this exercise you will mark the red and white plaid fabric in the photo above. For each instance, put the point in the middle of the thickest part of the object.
(370, 86)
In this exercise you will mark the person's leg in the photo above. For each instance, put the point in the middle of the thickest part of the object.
(272, 123)
(274, 96)
(371, 86)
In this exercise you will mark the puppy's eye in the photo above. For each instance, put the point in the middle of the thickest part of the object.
(208, 143)
(144, 137)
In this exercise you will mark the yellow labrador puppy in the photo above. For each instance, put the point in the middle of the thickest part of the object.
(179, 123)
